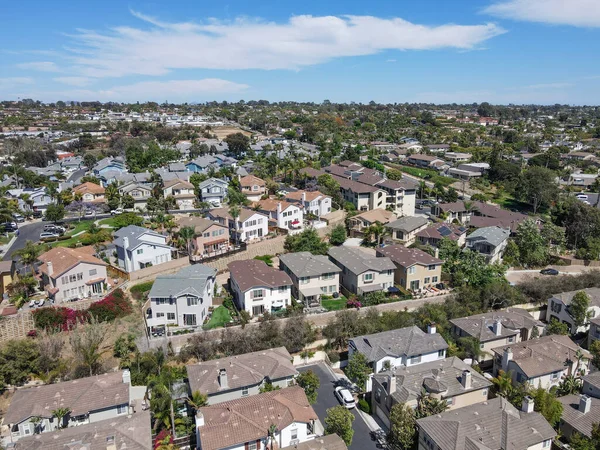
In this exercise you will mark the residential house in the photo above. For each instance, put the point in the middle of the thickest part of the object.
(579, 156)
(312, 202)
(182, 191)
(580, 413)
(327, 442)
(425, 161)
(109, 164)
(249, 225)
(591, 385)
(7, 269)
(541, 362)
(240, 376)
(257, 288)
(182, 299)
(457, 157)
(438, 148)
(497, 328)
(90, 193)
(132, 432)
(362, 196)
(448, 380)
(489, 241)
(253, 187)
(594, 333)
(72, 273)
(244, 424)
(31, 199)
(405, 229)
(434, 233)
(201, 164)
(478, 215)
(177, 167)
(360, 222)
(213, 191)
(415, 269)
(559, 309)
(139, 247)
(462, 174)
(361, 272)
(139, 191)
(283, 214)
(492, 425)
(90, 400)
(313, 276)
(402, 347)
(209, 237)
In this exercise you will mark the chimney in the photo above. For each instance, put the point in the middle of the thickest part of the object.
(497, 327)
(125, 258)
(437, 252)
(223, 379)
(431, 328)
(392, 384)
(278, 209)
(465, 379)
(199, 419)
(506, 358)
(527, 405)
(303, 197)
(50, 268)
(126, 376)
(585, 404)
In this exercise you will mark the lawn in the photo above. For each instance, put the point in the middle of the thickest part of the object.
(334, 304)
(426, 174)
(4, 239)
(220, 316)
(110, 221)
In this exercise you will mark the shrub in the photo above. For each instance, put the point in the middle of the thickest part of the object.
(58, 318)
(333, 356)
(111, 307)
(364, 406)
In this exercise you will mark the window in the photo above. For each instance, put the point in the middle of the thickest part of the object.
(431, 267)
(484, 393)
(80, 276)
(260, 221)
(434, 279)
(555, 376)
(327, 276)
(206, 235)
(378, 395)
(411, 270)
(324, 289)
(72, 278)
(304, 280)
(170, 316)
(294, 434)
(441, 353)
(258, 293)
(389, 272)
(511, 339)
(65, 280)
(546, 443)
(192, 301)
(332, 288)
(252, 446)
(426, 280)
(258, 310)
(415, 359)
(93, 272)
(158, 315)
(368, 277)
(282, 289)
(449, 401)
(122, 409)
(139, 251)
(245, 392)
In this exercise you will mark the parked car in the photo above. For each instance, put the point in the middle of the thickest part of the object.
(549, 271)
(37, 214)
(89, 213)
(582, 196)
(9, 227)
(345, 397)
(19, 218)
(114, 212)
(32, 304)
(49, 235)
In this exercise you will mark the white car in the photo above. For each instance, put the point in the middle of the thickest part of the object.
(345, 397)
(582, 196)
(48, 235)
(114, 212)
(32, 304)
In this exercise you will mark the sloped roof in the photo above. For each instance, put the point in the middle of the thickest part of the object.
(408, 223)
(327, 442)
(440, 231)
(199, 224)
(492, 235)
(64, 259)
(579, 421)
(407, 257)
(189, 280)
(358, 261)
(305, 264)
(253, 273)
(376, 215)
(251, 180)
(245, 213)
(593, 294)
(92, 188)
(480, 326)
(135, 234)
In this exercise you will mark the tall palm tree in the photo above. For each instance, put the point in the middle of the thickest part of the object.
(60, 414)
(271, 435)
(378, 231)
(28, 254)
(235, 212)
(187, 234)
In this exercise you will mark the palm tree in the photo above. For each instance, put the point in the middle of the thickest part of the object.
(28, 254)
(197, 400)
(271, 435)
(36, 420)
(569, 385)
(187, 234)
(503, 383)
(378, 231)
(60, 414)
(234, 212)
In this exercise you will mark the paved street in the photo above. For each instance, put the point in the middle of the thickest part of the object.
(27, 231)
(326, 399)
(519, 276)
(77, 175)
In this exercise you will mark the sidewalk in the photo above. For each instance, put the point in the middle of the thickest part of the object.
(4, 249)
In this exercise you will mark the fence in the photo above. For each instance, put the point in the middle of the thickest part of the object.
(216, 255)
(578, 262)
(151, 272)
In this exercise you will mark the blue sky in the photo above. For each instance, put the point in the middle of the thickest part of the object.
(501, 51)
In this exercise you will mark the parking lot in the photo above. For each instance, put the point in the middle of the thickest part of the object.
(326, 399)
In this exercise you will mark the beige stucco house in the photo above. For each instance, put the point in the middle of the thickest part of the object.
(361, 272)
(415, 269)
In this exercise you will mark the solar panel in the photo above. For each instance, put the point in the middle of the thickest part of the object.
(445, 231)
(461, 229)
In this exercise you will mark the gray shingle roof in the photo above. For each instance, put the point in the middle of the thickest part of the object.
(135, 235)
(357, 261)
(572, 416)
(407, 257)
(189, 280)
(480, 326)
(493, 235)
(593, 293)
(493, 425)
(305, 264)
(409, 341)
(407, 223)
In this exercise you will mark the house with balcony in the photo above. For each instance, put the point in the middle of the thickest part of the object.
(182, 191)
(313, 276)
(209, 237)
(253, 187)
(182, 299)
(415, 269)
(559, 309)
(139, 247)
(90, 193)
(543, 361)
(361, 272)
(213, 191)
(312, 202)
(257, 288)
(72, 273)
(405, 229)
(140, 192)
(282, 214)
(248, 226)
(240, 376)
(361, 222)
(489, 242)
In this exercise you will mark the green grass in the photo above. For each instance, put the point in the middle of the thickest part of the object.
(5, 240)
(220, 316)
(334, 304)
(110, 221)
(426, 174)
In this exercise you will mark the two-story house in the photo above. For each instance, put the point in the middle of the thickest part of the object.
(361, 272)
(90, 193)
(313, 276)
(241, 376)
(361, 222)
(244, 424)
(182, 191)
(285, 215)
(201, 164)
(489, 241)
(89, 400)
(181, 299)
(258, 288)
(248, 226)
(448, 380)
(312, 202)
(253, 187)
(139, 247)
(543, 361)
(72, 273)
(497, 328)
(139, 191)
(559, 309)
(213, 191)
(435, 233)
(38, 198)
(415, 269)
(209, 237)
(405, 228)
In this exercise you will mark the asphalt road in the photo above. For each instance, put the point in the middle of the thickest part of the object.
(77, 175)
(27, 231)
(326, 399)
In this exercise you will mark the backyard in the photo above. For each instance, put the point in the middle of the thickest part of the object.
(426, 174)
(334, 304)
(220, 317)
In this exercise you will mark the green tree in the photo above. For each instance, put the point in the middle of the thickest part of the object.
(18, 360)
(126, 219)
(429, 406)
(329, 186)
(533, 249)
(29, 253)
(54, 213)
(86, 344)
(309, 381)
(307, 241)
(238, 143)
(339, 421)
(187, 234)
(569, 385)
(557, 327)
(547, 405)
(579, 309)
(338, 235)
(393, 174)
(402, 426)
(61, 414)
(537, 186)
(595, 351)
(358, 369)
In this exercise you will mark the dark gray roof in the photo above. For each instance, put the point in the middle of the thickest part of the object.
(592, 379)
(409, 341)
(493, 425)
(408, 223)
(493, 235)
(593, 293)
(357, 261)
(480, 326)
(305, 264)
(135, 235)
(189, 280)
(572, 416)
(212, 181)
(443, 377)
(406, 257)
(204, 161)
(177, 167)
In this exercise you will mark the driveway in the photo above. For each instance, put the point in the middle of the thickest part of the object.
(326, 399)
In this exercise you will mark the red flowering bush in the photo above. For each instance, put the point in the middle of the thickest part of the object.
(58, 318)
(111, 307)
(353, 303)
(163, 438)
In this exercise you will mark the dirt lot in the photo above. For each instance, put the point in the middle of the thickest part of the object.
(223, 132)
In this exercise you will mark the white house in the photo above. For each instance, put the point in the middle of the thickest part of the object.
(248, 226)
(559, 308)
(258, 288)
(489, 241)
(284, 214)
(182, 299)
(313, 202)
(139, 247)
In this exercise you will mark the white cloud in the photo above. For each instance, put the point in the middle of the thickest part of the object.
(255, 44)
(10, 82)
(41, 66)
(578, 13)
(74, 81)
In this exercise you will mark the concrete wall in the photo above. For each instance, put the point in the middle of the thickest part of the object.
(151, 272)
